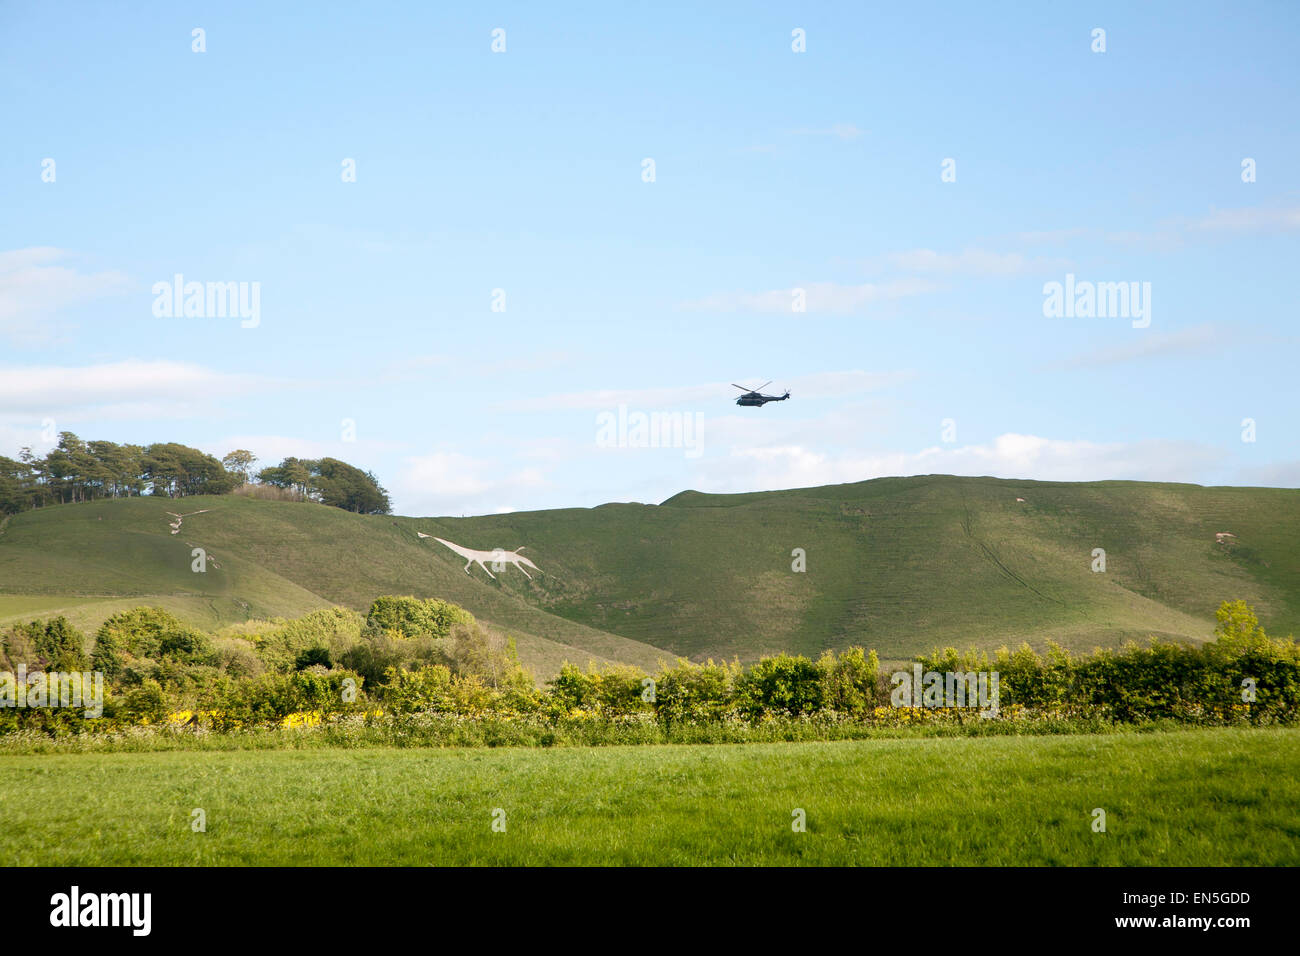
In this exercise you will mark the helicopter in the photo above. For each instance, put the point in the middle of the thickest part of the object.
(756, 398)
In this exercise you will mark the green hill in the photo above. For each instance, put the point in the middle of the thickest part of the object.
(898, 564)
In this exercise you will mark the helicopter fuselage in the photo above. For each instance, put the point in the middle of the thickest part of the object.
(754, 398)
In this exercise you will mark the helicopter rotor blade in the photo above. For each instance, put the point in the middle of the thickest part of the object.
(741, 387)
(764, 385)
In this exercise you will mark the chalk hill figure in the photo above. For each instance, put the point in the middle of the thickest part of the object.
(496, 556)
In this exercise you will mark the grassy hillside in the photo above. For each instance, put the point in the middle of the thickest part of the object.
(903, 564)
(898, 564)
(271, 559)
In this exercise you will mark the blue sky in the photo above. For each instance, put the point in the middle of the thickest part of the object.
(774, 170)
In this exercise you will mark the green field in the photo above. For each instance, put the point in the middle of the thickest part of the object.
(1206, 797)
(901, 565)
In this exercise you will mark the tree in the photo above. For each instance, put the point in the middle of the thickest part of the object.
(38, 474)
(75, 470)
(344, 486)
(240, 463)
(119, 468)
(176, 470)
(292, 474)
(331, 482)
(146, 632)
(409, 617)
(67, 465)
(13, 490)
(62, 645)
(49, 645)
(1238, 630)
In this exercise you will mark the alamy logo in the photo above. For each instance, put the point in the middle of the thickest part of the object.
(103, 909)
(53, 689)
(946, 689)
(208, 300)
(624, 429)
(1098, 300)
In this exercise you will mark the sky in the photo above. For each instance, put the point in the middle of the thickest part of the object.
(470, 265)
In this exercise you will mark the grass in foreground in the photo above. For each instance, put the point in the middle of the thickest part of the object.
(1205, 797)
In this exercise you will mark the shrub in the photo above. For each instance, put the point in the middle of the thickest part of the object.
(413, 617)
(148, 632)
(312, 657)
(614, 690)
(52, 645)
(378, 654)
(273, 697)
(16, 647)
(691, 692)
(63, 646)
(147, 703)
(780, 686)
(334, 630)
(237, 657)
(428, 688)
(571, 689)
(620, 690)
(850, 682)
(136, 672)
(470, 649)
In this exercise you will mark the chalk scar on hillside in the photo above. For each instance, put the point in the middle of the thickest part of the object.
(991, 555)
(207, 555)
(497, 556)
(176, 525)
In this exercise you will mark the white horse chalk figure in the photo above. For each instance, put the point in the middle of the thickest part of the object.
(496, 556)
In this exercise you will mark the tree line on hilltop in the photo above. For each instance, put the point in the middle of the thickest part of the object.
(75, 470)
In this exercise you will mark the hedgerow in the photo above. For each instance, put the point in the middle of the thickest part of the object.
(425, 673)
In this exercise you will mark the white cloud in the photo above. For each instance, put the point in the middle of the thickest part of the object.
(1048, 459)
(1250, 219)
(157, 388)
(1008, 456)
(1174, 232)
(272, 449)
(1050, 237)
(449, 483)
(1283, 474)
(445, 366)
(980, 262)
(847, 423)
(422, 364)
(820, 297)
(23, 435)
(839, 384)
(34, 286)
(644, 398)
(1196, 340)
